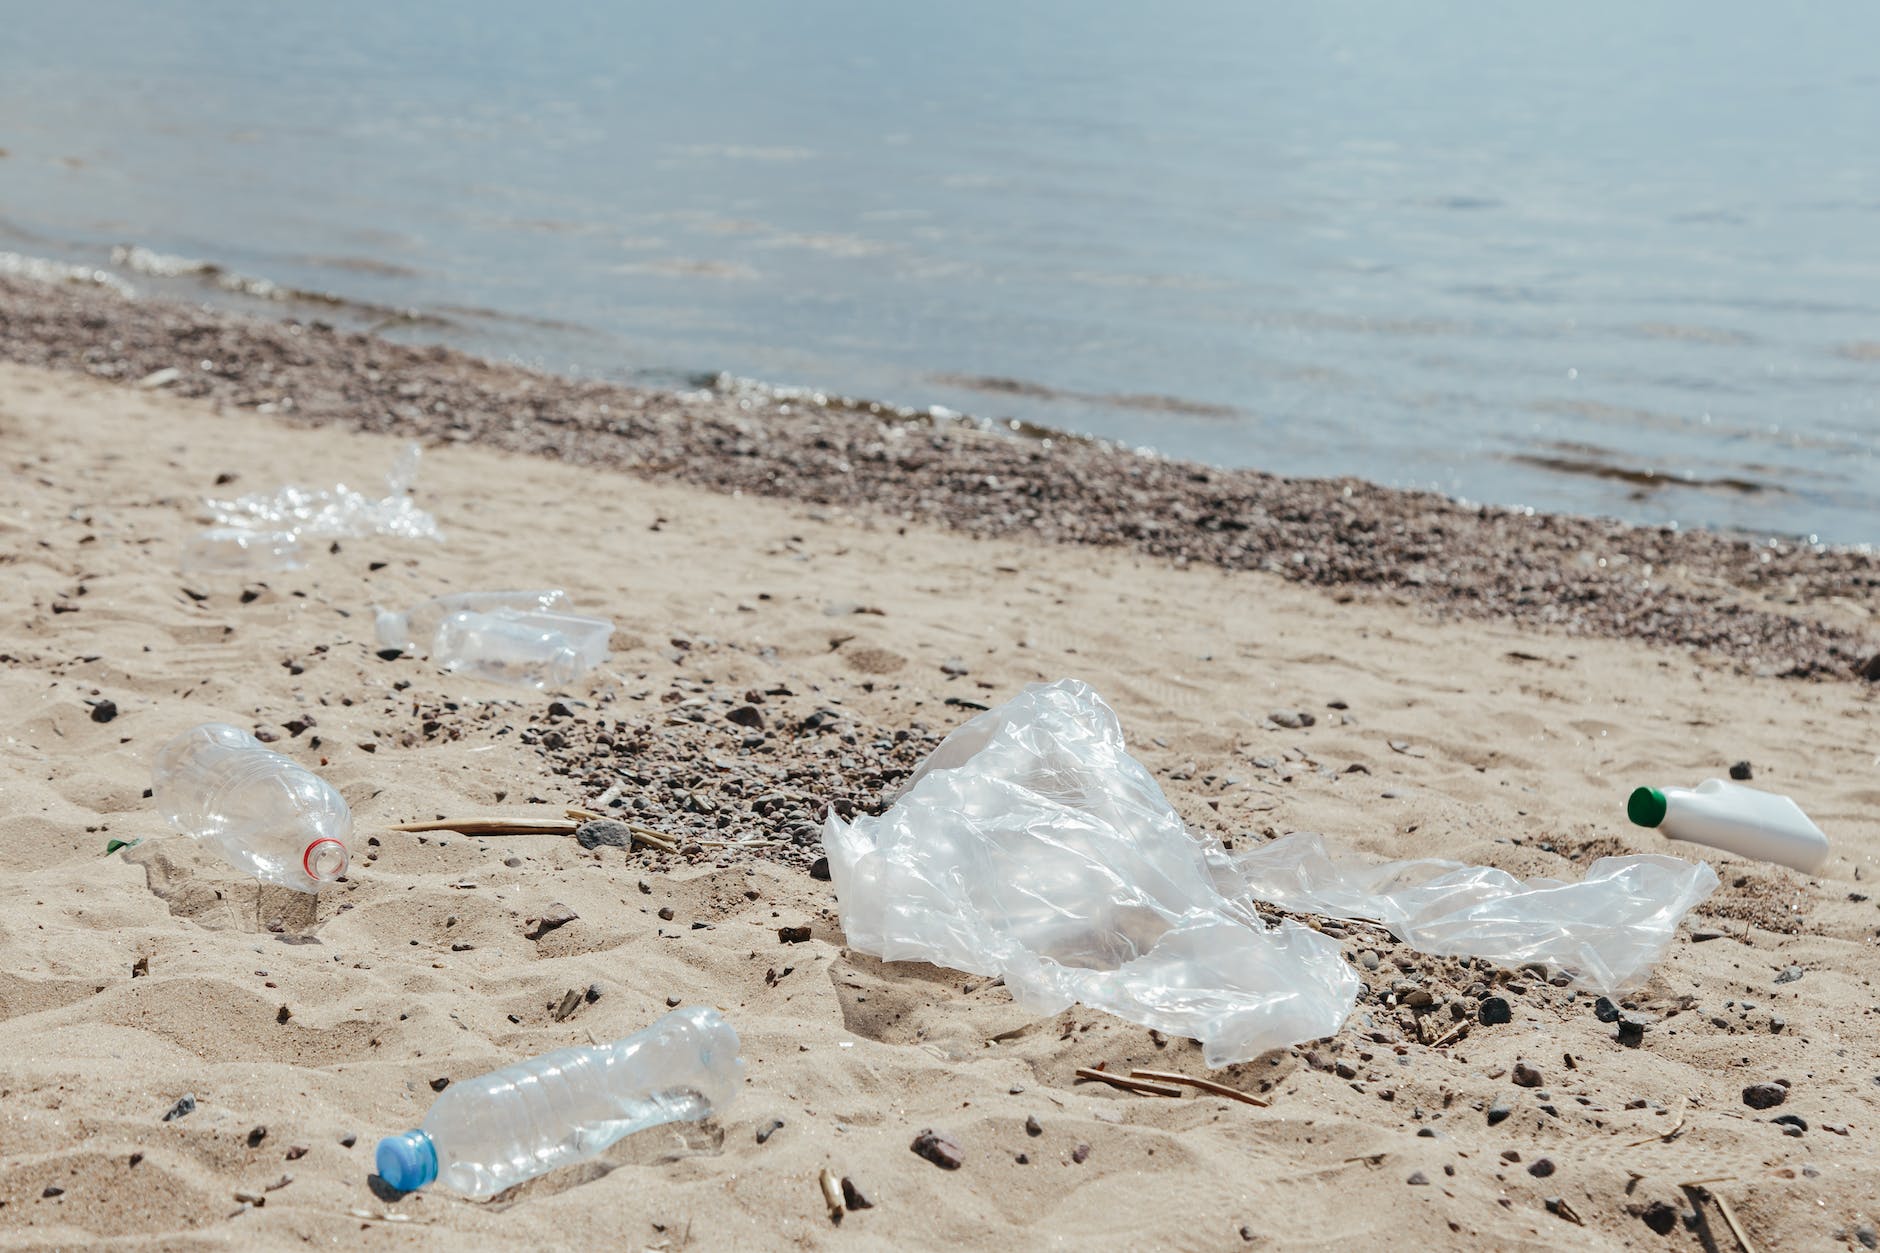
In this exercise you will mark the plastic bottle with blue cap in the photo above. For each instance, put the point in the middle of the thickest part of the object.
(487, 1134)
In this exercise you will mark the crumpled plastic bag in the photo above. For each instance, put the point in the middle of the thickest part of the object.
(1607, 931)
(337, 512)
(1030, 845)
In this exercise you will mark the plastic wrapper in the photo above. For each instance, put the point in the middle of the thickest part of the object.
(1606, 931)
(1030, 845)
(337, 512)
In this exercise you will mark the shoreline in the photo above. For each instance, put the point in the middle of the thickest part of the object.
(1765, 607)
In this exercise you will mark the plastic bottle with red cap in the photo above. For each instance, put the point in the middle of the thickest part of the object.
(267, 814)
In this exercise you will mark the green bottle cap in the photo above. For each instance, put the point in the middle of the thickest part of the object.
(1647, 807)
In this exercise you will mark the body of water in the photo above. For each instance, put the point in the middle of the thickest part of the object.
(1612, 258)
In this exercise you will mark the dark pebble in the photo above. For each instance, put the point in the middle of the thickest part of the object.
(390, 654)
(1526, 1076)
(604, 831)
(939, 1148)
(182, 1109)
(793, 935)
(440, 1083)
(348, 1140)
(853, 1197)
(665, 913)
(769, 1129)
(819, 869)
(1631, 1032)
(1792, 1124)
(1740, 771)
(593, 993)
(1605, 1010)
(1790, 974)
(1660, 1217)
(1495, 1011)
(1498, 1112)
(53, 1189)
(256, 1136)
(296, 1152)
(1541, 1167)
(1080, 1154)
(1418, 1179)
(104, 711)
(746, 716)
(1032, 1126)
(1764, 1095)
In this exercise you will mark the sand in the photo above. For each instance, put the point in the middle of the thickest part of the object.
(129, 980)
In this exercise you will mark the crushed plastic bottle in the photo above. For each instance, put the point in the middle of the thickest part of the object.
(267, 814)
(1742, 820)
(236, 550)
(526, 649)
(418, 627)
(487, 1134)
(336, 512)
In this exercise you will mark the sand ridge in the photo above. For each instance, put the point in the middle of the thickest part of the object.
(322, 1021)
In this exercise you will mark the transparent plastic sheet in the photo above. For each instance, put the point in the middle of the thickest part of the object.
(1030, 845)
(1607, 931)
(337, 512)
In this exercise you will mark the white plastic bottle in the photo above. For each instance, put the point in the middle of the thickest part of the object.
(534, 649)
(404, 631)
(267, 814)
(1734, 818)
(487, 1134)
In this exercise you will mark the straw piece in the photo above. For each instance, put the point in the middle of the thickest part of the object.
(1206, 1085)
(1128, 1085)
(494, 826)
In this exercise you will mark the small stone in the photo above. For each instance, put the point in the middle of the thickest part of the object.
(348, 1140)
(819, 870)
(1418, 1179)
(1740, 771)
(1789, 974)
(296, 1152)
(1869, 1239)
(1631, 1032)
(1023, 1159)
(1080, 1154)
(1498, 1112)
(256, 1136)
(1605, 1010)
(1494, 1011)
(53, 1189)
(185, 1106)
(939, 1148)
(1032, 1126)
(665, 913)
(604, 831)
(1368, 959)
(1526, 1076)
(440, 1083)
(853, 1197)
(1764, 1095)
(1541, 1167)
(955, 667)
(746, 716)
(793, 935)
(556, 915)
(104, 711)
(1292, 719)
(592, 994)
(1345, 1070)
(1792, 1124)
(769, 1129)
(1660, 1217)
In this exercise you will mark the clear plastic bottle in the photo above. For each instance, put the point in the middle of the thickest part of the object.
(535, 649)
(237, 550)
(267, 814)
(403, 631)
(1742, 820)
(487, 1134)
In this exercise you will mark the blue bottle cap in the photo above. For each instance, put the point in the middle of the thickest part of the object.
(407, 1162)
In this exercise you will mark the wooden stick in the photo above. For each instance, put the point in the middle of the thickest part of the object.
(494, 826)
(1206, 1085)
(1128, 1085)
(1729, 1216)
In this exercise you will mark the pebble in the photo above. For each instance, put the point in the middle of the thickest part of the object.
(1418, 1179)
(440, 1083)
(1764, 1095)
(1605, 1010)
(819, 870)
(1660, 1217)
(1631, 1032)
(1526, 1076)
(769, 1129)
(53, 1189)
(853, 1197)
(793, 935)
(1791, 1124)
(1789, 974)
(604, 831)
(1032, 1126)
(256, 1136)
(1291, 719)
(939, 1148)
(1541, 1167)
(184, 1106)
(104, 711)
(296, 1152)
(1740, 771)
(1498, 1111)
(1495, 1011)
(1368, 959)
(1080, 1154)
(348, 1140)
(665, 913)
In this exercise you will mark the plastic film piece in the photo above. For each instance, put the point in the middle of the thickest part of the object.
(336, 512)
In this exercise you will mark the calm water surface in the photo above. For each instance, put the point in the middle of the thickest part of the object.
(1619, 259)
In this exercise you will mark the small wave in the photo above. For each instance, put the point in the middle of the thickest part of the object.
(1645, 480)
(162, 265)
(1149, 402)
(40, 270)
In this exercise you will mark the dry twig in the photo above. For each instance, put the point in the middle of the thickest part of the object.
(1128, 1085)
(1206, 1085)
